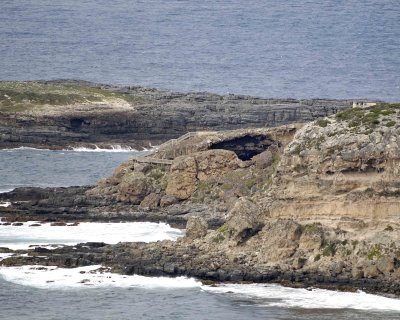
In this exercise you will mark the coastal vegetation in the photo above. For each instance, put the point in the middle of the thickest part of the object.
(25, 96)
(371, 116)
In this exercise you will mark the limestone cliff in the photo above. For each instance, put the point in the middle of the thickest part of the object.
(325, 207)
(317, 204)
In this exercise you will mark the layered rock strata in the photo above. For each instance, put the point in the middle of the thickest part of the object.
(137, 117)
(319, 206)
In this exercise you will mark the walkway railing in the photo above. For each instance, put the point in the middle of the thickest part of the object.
(170, 143)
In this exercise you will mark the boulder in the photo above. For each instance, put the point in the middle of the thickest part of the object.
(263, 160)
(213, 163)
(385, 264)
(168, 200)
(134, 187)
(371, 271)
(182, 181)
(311, 237)
(196, 227)
(279, 239)
(151, 201)
(243, 220)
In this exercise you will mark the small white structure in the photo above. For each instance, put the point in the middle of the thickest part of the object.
(363, 104)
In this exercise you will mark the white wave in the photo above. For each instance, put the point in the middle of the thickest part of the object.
(92, 276)
(6, 190)
(21, 237)
(278, 296)
(5, 204)
(114, 148)
(25, 148)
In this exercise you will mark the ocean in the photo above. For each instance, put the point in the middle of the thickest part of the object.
(299, 49)
(269, 48)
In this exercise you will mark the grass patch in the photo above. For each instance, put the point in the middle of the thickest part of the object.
(323, 123)
(310, 228)
(222, 229)
(218, 238)
(24, 96)
(390, 123)
(375, 252)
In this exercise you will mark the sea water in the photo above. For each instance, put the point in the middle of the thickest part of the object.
(299, 49)
(36, 292)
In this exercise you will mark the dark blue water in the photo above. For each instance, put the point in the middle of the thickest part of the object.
(311, 48)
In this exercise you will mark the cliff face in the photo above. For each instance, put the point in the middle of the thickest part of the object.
(136, 116)
(322, 208)
(344, 169)
(317, 204)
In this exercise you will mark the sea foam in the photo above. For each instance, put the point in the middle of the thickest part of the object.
(44, 277)
(21, 237)
(5, 204)
(261, 295)
(114, 148)
(278, 296)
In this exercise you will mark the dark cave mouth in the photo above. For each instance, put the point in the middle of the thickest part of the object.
(246, 147)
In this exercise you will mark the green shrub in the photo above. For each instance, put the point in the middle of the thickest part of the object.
(375, 252)
(390, 123)
(323, 123)
(301, 261)
(329, 250)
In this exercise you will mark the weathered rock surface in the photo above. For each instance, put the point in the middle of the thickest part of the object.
(318, 207)
(150, 116)
(196, 228)
(344, 169)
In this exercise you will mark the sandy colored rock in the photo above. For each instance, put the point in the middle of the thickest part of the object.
(168, 200)
(196, 227)
(151, 201)
(134, 187)
(213, 163)
(182, 181)
(243, 220)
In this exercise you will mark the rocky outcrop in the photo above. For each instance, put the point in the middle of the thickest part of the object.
(187, 171)
(319, 206)
(196, 228)
(343, 169)
(138, 117)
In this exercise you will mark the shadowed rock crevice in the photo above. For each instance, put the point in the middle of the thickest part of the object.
(246, 147)
(76, 123)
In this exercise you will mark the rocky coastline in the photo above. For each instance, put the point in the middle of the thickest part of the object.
(68, 113)
(312, 204)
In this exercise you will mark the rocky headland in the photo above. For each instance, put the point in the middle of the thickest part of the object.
(66, 114)
(313, 204)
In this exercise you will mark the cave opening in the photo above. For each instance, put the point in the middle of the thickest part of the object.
(76, 122)
(246, 147)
